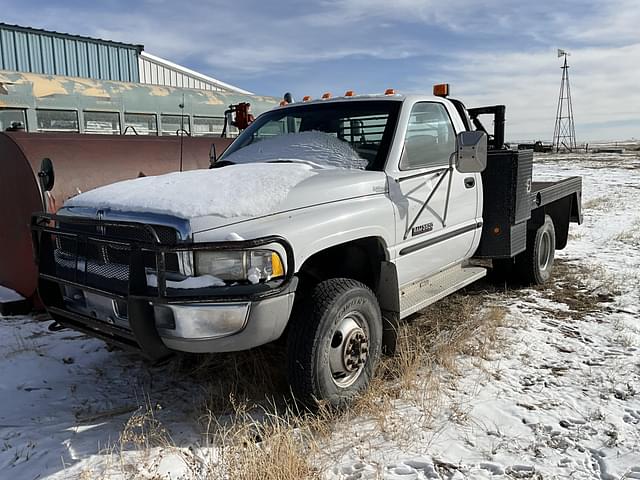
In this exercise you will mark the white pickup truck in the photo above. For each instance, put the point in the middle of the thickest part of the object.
(325, 222)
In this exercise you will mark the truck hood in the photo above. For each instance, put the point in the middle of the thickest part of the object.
(217, 197)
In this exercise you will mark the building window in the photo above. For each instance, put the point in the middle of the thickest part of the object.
(11, 118)
(207, 126)
(106, 123)
(175, 124)
(57, 121)
(140, 124)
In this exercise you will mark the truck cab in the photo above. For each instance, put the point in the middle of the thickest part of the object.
(326, 222)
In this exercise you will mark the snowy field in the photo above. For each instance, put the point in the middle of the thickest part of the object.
(554, 394)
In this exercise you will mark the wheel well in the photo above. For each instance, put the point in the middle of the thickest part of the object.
(560, 212)
(359, 259)
(363, 260)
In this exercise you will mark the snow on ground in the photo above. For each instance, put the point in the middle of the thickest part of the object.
(8, 295)
(232, 191)
(559, 397)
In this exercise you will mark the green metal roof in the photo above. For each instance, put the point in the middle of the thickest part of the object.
(32, 50)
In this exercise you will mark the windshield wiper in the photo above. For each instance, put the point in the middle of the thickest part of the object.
(222, 163)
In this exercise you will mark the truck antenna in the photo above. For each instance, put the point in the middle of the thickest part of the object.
(181, 129)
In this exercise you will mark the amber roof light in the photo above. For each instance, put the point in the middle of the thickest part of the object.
(441, 90)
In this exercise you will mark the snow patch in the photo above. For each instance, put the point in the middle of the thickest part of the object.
(7, 295)
(247, 190)
(201, 281)
(315, 147)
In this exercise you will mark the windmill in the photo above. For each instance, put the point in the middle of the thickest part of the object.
(564, 134)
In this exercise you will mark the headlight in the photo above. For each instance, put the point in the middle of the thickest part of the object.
(253, 266)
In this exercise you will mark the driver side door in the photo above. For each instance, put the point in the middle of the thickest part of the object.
(435, 205)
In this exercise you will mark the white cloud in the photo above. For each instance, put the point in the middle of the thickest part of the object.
(493, 51)
(604, 87)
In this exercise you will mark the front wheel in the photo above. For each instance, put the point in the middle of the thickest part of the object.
(334, 343)
(535, 264)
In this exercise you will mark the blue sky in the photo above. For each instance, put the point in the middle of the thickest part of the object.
(491, 51)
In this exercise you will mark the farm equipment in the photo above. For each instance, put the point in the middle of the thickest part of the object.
(81, 162)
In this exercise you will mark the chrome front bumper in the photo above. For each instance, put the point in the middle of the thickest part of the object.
(223, 327)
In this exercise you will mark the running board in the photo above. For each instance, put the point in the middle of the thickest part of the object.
(424, 292)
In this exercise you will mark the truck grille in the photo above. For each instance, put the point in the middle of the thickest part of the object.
(87, 260)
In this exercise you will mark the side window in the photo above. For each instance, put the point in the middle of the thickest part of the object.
(140, 123)
(430, 138)
(207, 126)
(107, 123)
(57, 120)
(175, 124)
(11, 117)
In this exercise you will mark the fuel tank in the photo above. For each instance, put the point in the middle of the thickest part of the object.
(81, 162)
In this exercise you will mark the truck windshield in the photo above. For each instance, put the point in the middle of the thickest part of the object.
(349, 134)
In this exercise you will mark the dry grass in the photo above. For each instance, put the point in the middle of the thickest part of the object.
(265, 436)
(255, 377)
(255, 428)
(273, 447)
(631, 236)
(598, 203)
(581, 287)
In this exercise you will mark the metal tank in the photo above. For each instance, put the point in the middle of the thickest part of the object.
(81, 162)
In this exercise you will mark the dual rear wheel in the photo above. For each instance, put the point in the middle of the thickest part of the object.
(534, 265)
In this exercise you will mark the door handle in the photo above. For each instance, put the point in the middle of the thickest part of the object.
(469, 182)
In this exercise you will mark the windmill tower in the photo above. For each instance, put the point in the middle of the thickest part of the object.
(564, 134)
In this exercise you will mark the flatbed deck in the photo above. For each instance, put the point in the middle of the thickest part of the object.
(544, 193)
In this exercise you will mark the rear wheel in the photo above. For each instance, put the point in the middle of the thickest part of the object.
(535, 264)
(334, 343)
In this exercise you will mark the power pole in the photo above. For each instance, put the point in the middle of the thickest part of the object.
(564, 134)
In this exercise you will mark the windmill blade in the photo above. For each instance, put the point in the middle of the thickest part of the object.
(561, 52)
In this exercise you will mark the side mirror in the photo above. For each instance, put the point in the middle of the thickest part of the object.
(471, 156)
(46, 175)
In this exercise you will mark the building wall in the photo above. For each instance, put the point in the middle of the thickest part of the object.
(38, 51)
(48, 103)
(158, 71)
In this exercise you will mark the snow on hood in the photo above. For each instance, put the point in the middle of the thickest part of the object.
(247, 190)
(315, 147)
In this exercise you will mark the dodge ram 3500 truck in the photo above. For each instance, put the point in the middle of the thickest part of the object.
(325, 222)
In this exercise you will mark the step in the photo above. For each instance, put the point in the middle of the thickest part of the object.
(418, 295)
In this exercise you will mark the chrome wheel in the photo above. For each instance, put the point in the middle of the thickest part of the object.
(544, 251)
(349, 349)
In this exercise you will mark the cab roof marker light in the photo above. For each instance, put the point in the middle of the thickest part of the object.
(326, 95)
(389, 91)
(306, 98)
(441, 90)
(349, 93)
(283, 103)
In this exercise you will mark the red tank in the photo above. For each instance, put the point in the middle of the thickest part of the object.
(81, 162)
